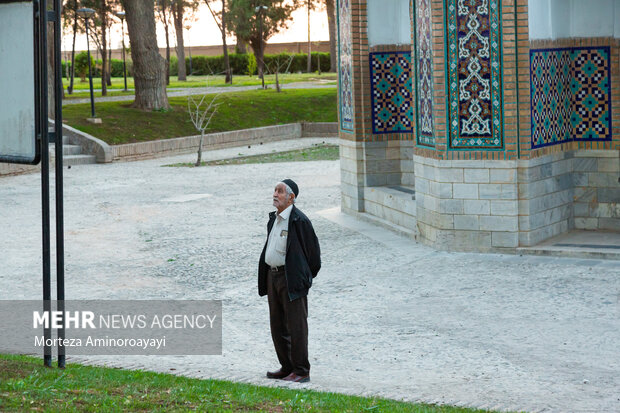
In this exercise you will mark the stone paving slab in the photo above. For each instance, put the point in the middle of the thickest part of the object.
(587, 244)
(387, 316)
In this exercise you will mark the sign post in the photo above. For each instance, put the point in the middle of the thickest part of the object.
(24, 122)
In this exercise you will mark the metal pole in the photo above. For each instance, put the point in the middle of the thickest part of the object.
(124, 65)
(262, 52)
(90, 75)
(309, 45)
(60, 243)
(45, 178)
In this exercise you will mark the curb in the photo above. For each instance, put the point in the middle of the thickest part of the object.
(219, 140)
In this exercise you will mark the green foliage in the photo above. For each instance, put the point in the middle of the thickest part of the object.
(117, 67)
(237, 110)
(319, 152)
(81, 64)
(299, 63)
(241, 63)
(243, 21)
(25, 385)
(252, 66)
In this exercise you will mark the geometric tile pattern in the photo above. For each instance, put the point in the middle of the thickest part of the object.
(550, 79)
(391, 92)
(570, 95)
(474, 40)
(591, 88)
(345, 65)
(424, 71)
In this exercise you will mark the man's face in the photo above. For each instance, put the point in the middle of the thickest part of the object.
(280, 199)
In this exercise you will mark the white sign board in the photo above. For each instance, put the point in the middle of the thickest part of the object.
(17, 94)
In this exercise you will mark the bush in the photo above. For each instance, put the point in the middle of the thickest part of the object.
(252, 65)
(81, 65)
(240, 63)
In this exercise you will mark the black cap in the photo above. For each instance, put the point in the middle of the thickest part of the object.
(291, 184)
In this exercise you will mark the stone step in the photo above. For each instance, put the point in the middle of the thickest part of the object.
(67, 150)
(78, 160)
(71, 149)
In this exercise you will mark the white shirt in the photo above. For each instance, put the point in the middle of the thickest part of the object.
(275, 255)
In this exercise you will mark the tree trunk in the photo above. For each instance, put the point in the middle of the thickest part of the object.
(259, 53)
(70, 88)
(224, 46)
(167, 49)
(109, 77)
(241, 47)
(178, 26)
(149, 69)
(202, 136)
(104, 56)
(333, 37)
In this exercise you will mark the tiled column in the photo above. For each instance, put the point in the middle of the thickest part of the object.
(466, 169)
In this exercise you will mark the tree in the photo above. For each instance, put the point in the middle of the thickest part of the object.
(102, 20)
(201, 112)
(164, 12)
(70, 18)
(243, 22)
(182, 11)
(330, 6)
(149, 69)
(220, 20)
(277, 64)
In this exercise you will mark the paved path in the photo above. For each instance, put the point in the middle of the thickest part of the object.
(204, 90)
(387, 316)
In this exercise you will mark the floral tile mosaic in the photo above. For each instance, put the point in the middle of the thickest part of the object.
(424, 72)
(474, 66)
(345, 65)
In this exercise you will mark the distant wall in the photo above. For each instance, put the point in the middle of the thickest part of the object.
(271, 48)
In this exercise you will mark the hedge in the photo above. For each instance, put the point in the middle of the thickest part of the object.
(203, 65)
(117, 68)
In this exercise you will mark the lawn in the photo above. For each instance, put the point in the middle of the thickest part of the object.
(319, 152)
(26, 385)
(237, 110)
(81, 89)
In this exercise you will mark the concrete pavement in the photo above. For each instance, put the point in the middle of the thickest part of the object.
(387, 316)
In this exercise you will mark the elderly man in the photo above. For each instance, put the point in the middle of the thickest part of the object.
(290, 260)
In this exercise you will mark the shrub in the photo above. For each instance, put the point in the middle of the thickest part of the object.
(243, 64)
(81, 65)
(252, 65)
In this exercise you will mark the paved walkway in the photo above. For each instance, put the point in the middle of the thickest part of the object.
(176, 92)
(388, 316)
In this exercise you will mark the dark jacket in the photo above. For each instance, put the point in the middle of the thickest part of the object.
(303, 256)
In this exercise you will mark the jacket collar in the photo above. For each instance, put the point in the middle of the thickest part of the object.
(293, 215)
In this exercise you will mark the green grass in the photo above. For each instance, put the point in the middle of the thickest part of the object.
(81, 89)
(238, 110)
(26, 385)
(320, 152)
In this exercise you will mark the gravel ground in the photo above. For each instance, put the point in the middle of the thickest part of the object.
(387, 316)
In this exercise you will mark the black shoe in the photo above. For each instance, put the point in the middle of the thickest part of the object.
(280, 374)
(297, 378)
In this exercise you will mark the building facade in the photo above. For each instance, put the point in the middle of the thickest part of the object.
(481, 124)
